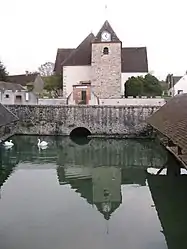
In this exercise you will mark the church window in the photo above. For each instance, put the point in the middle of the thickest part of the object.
(105, 50)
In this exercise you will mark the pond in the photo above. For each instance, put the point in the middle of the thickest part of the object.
(88, 194)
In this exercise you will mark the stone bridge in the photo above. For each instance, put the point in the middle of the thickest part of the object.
(97, 120)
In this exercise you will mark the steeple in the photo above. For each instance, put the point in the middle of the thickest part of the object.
(106, 28)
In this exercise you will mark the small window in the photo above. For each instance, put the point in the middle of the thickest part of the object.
(180, 91)
(18, 99)
(105, 50)
(7, 96)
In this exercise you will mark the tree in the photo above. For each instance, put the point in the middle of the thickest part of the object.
(53, 84)
(46, 69)
(148, 85)
(3, 72)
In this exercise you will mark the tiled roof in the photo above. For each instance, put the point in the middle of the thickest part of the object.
(107, 27)
(82, 54)
(171, 120)
(22, 79)
(6, 116)
(134, 60)
(62, 54)
(10, 86)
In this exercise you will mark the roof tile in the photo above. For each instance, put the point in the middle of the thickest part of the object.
(171, 120)
(62, 54)
(134, 60)
(10, 86)
(107, 27)
(22, 79)
(81, 55)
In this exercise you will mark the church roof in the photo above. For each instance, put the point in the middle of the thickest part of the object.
(62, 54)
(6, 117)
(134, 59)
(107, 27)
(82, 54)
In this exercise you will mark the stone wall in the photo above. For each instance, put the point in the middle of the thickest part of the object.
(99, 120)
(133, 101)
(45, 101)
(106, 70)
(8, 130)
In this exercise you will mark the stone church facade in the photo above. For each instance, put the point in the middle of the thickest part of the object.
(98, 68)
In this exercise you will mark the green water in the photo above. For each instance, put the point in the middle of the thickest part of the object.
(90, 195)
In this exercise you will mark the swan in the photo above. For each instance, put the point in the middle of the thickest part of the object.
(42, 147)
(42, 144)
(8, 143)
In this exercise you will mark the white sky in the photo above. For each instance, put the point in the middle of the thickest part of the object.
(31, 31)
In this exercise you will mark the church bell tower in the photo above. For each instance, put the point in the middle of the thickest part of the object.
(106, 63)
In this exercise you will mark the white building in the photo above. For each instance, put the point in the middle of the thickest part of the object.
(99, 67)
(12, 93)
(178, 86)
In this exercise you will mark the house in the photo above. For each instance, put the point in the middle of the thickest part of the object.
(12, 93)
(33, 80)
(176, 84)
(101, 64)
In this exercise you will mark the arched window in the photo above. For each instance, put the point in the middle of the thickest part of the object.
(105, 50)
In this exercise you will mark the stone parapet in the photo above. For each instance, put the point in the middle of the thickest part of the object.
(99, 120)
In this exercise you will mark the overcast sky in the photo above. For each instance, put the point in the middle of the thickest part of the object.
(31, 31)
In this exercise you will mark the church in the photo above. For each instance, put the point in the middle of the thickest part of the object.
(99, 67)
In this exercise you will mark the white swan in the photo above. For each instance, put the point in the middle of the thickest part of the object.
(42, 144)
(8, 143)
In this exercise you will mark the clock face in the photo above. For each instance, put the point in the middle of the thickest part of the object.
(105, 36)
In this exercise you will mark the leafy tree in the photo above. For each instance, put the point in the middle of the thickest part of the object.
(165, 87)
(53, 85)
(46, 69)
(3, 72)
(148, 85)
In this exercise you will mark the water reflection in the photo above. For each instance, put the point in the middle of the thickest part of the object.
(170, 198)
(100, 186)
(110, 176)
(168, 187)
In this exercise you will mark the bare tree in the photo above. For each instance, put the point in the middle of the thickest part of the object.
(46, 69)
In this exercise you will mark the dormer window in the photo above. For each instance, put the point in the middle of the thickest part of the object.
(105, 50)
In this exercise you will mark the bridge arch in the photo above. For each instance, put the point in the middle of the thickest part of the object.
(80, 132)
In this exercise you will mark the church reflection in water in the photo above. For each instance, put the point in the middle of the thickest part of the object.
(100, 186)
(97, 170)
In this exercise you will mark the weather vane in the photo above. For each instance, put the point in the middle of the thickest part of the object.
(106, 9)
